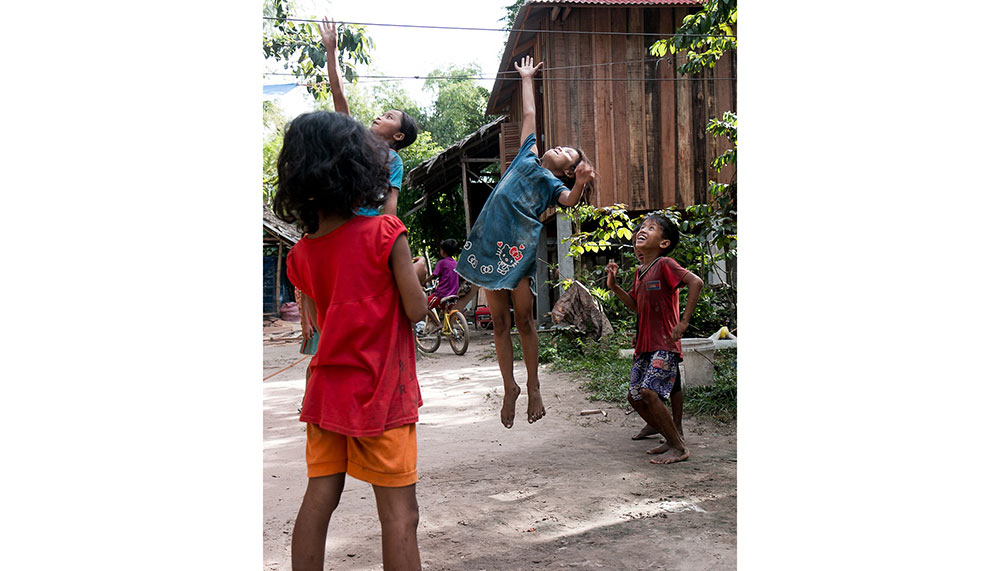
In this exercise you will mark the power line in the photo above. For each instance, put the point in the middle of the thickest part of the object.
(373, 78)
(580, 32)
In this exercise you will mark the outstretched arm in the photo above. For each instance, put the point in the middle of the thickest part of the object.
(584, 175)
(328, 30)
(612, 269)
(694, 284)
(527, 69)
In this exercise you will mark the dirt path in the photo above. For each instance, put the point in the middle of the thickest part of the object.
(567, 491)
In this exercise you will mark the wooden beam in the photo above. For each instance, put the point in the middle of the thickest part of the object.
(467, 160)
(277, 280)
(465, 197)
(555, 13)
(565, 13)
(521, 48)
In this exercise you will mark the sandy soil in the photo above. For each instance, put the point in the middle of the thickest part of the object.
(568, 491)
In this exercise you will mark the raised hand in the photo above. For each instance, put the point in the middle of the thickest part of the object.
(612, 269)
(328, 30)
(527, 67)
(584, 172)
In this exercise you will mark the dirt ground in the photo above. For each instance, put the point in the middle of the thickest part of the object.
(568, 491)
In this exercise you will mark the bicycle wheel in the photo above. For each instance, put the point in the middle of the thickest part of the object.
(427, 342)
(459, 338)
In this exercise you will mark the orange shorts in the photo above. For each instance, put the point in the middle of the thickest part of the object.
(388, 460)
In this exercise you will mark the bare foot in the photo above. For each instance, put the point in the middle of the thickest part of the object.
(507, 410)
(536, 409)
(647, 430)
(674, 455)
(660, 449)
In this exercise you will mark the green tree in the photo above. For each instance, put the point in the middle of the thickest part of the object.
(274, 128)
(704, 36)
(511, 15)
(459, 104)
(299, 47)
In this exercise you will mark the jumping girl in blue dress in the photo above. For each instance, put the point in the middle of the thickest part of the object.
(499, 254)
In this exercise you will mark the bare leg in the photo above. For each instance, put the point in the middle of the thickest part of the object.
(647, 430)
(677, 405)
(399, 515)
(523, 300)
(640, 407)
(500, 311)
(309, 534)
(660, 417)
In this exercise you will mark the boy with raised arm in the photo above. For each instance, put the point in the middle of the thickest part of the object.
(654, 296)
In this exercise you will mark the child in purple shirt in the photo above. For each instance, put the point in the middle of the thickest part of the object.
(444, 271)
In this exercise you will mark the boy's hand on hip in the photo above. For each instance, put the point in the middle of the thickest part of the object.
(679, 330)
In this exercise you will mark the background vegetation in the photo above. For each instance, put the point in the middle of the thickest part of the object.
(708, 231)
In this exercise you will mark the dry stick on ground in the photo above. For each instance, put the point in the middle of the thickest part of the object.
(286, 368)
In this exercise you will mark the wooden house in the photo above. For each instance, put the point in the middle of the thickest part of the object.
(641, 123)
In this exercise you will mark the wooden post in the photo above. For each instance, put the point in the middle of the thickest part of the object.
(277, 280)
(465, 196)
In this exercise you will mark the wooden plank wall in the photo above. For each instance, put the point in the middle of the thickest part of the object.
(604, 143)
(647, 138)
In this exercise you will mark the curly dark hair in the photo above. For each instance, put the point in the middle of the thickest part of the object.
(330, 164)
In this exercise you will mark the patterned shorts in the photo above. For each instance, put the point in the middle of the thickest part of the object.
(656, 371)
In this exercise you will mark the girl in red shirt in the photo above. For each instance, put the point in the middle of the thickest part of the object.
(654, 297)
(361, 401)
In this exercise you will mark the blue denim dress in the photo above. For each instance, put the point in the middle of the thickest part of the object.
(502, 244)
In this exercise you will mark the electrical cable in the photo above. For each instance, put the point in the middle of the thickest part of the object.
(374, 78)
(580, 32)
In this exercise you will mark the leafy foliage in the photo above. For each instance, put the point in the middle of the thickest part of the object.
(717, 400)
(707, 34)
(511, 15)
(459, 104)
(299, 47)
(274, 127)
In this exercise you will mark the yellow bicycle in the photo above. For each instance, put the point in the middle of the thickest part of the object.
(445, 320)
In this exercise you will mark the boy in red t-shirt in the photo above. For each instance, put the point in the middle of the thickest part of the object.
(362, 397)
(654, 295)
